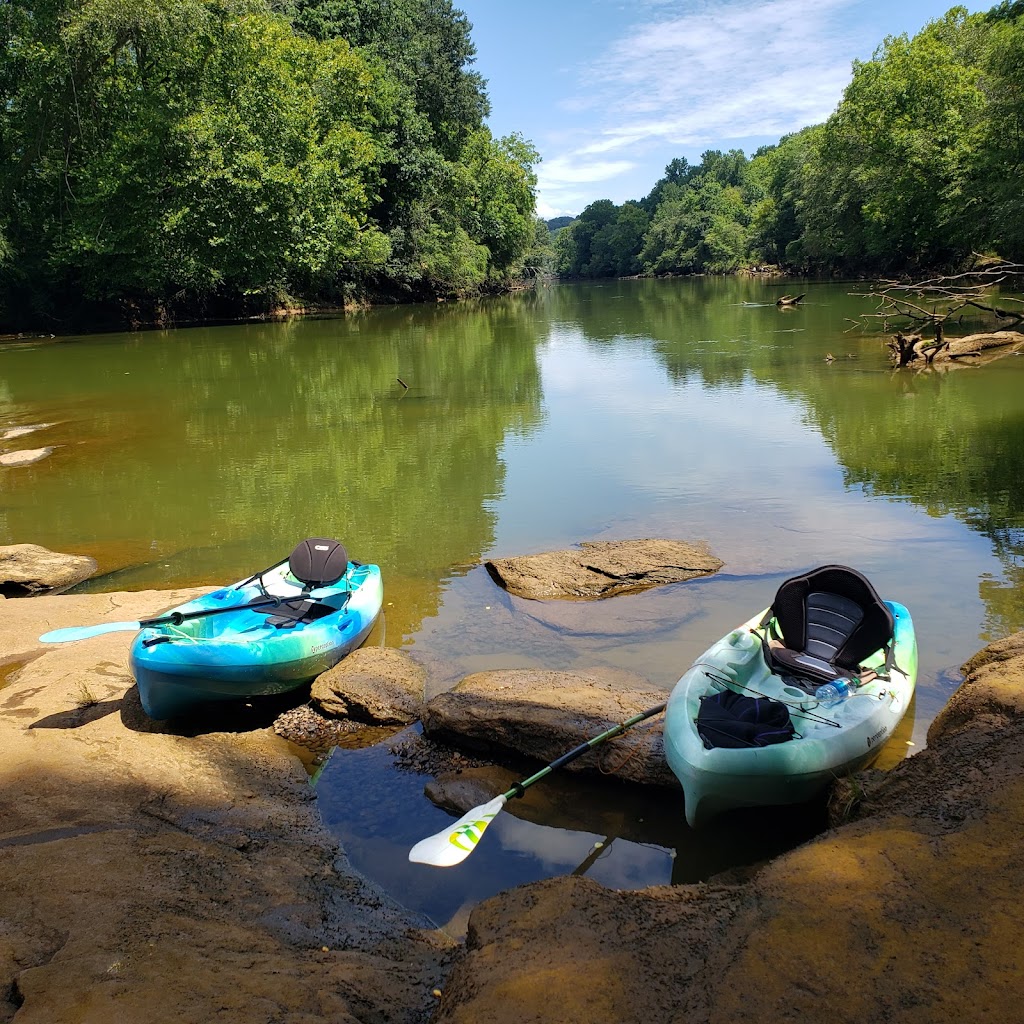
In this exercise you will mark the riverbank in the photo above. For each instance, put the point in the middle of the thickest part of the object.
(158, 876)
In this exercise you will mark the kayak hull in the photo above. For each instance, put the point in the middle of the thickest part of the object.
(234, 655)
(830, 742)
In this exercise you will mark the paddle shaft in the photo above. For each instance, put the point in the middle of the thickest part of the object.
(520, 787)
(177, 618)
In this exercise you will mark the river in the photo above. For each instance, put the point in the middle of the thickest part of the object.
(429, 438)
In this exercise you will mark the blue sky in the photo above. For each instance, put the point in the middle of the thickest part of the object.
(609, 92)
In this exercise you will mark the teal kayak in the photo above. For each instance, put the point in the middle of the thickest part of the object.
(223, 650)
(791, 743)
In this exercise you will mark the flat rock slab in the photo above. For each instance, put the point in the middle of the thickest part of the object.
(154, 875)
(542, 715)
(31, 569)
(603, 568)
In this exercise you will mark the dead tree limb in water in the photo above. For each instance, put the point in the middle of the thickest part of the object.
(929, 306)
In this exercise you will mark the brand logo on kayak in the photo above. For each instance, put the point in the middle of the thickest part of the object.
(321, 547)
(875, 737)
(323, 647)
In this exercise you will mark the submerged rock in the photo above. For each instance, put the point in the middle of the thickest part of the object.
(603, 568)
(306, 727)
(25, 457)
(12, 432)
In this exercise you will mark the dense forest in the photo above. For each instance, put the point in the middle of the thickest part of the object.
(174, 158)
(169, 159)
(919, 167)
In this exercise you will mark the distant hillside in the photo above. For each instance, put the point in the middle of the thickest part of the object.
(557, 223)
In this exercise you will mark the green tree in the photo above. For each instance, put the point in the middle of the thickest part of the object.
(615, 247)
(999, 162)
(573, 246)
(427, 46)
(503, 200)
(188, 150)
(705, 229)
(678, 173)
(781, 174)
(890, 185)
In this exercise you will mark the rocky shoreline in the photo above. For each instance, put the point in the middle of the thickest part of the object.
(154, 875)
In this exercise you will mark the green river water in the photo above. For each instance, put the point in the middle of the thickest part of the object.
(689, 409)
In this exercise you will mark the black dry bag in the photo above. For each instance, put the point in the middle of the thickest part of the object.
(730, 719)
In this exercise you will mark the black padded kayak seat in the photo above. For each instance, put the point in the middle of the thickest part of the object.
(829, 620)
(318, 562)
(292, 613)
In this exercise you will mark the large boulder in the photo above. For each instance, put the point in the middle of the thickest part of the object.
(31, 569)
(541, 715)
(602, 568)
(377, 685)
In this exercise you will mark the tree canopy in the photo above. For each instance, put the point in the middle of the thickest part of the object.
(202, 155)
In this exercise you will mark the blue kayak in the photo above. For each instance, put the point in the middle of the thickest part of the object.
(264, 635)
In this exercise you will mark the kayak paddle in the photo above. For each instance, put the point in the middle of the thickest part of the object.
(71, 633)
(454, 844)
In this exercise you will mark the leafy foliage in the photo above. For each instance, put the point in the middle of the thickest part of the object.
(210, 154)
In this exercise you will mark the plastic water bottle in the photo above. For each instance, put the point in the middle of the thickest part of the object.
(834, 692)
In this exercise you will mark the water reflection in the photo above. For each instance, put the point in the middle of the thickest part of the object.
(552, 830)
(688, 408)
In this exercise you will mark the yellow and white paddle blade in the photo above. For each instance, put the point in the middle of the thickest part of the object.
(455, 843)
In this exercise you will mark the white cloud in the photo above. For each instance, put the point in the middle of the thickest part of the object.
(700, 75)
(747, 68)
(569, 169)
(562, 182)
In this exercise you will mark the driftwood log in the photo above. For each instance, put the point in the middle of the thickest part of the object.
(914, 351)
(789, 300)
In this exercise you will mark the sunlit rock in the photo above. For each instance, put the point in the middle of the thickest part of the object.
(602, 568)
(373, 684)
(541, 715)
(31, 569)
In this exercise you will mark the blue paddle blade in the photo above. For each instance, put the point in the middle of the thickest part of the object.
(70, 633)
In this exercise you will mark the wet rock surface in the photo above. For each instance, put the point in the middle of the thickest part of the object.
(307, 727)
(599, 569)
(417, 753)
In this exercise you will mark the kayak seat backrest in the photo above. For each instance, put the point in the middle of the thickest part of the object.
(830, 619)
(318, 562)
